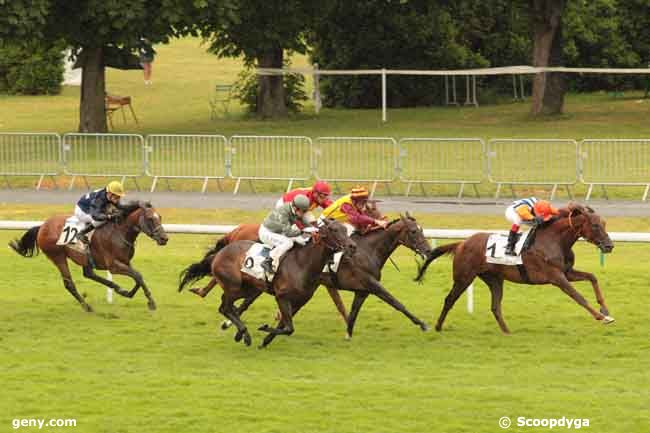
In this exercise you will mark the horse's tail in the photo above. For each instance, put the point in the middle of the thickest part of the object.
(196, 271)
(437, 252)
(26, 246)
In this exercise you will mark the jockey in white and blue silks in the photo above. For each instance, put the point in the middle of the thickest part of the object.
(91, 208)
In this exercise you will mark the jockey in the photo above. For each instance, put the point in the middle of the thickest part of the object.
(318, 195)
(92, 208)
(350, 210)
(527, 211)
(279, 230)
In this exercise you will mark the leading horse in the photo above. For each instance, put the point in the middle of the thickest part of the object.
(112, 247)
(549, 260)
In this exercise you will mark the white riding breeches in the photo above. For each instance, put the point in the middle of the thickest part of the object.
(84, 217)
(514, 218)
(280, 243)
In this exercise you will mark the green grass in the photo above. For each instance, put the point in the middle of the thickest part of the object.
(125, 369)
(184, 76)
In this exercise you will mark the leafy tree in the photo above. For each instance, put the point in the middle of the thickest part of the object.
(261, 31)
(92, 27)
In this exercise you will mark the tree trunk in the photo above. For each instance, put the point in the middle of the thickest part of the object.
(548, 88)
(270, 96)
(92, 110)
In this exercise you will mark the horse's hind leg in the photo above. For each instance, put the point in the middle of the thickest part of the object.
(575, 275)
(457, 289)
(202, 292)
(241, 309)
(61, 263)
(495, 283)
(227, 308)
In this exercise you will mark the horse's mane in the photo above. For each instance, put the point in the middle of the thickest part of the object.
(127, 208)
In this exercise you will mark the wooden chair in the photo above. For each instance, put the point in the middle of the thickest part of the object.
(220, 98)
(117, 103)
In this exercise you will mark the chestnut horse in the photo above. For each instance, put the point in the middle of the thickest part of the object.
(549, 260)
(249, 232)
(112, 247)
(293, 284)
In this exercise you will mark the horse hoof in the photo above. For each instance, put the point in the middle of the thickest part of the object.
(88, 309)
(152, 306)
(247, 339)
(604, 311)
(348, 337)
(226, 324)
(438, 328)
(608, 319)
(424, 327)
(265, 328)
(238, 336)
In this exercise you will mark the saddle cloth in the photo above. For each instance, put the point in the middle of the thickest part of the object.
(68, 234)
(252, 266)
(496, 247)
(334, 263)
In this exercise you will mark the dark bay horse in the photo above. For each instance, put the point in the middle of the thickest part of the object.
(293, 284)
(112, 247)
(248, 232)
(549, 260)
(361, 273)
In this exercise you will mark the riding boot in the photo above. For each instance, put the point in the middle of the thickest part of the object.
(81, 235)
(513, 236)
(267, 265)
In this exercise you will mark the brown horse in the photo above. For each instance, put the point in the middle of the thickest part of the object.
(112, 247)
(361, 272)
(549, 260)
(249, 232)
(293, 284)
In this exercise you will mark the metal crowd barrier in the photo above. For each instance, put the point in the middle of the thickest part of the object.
(356, 159)
(103, 155)
(186, 157)
(442, 161)
(255, 157)
(532, 162)
(615, 162)
(27, 154)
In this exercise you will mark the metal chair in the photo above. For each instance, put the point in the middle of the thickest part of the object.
(117, 103)
(220, 99)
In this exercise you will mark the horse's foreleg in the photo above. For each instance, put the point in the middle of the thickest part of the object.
(126, 269)
(89, 273)
(564, 284)
(378, 290)
(338, 302)
(575, 275)
(357, 302)
(285, 326)
(241, 309)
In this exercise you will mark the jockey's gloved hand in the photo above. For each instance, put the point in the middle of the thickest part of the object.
(310, 229)
(300, 240)
(538, 220)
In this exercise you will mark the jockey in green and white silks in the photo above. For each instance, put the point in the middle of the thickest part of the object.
(279, 229)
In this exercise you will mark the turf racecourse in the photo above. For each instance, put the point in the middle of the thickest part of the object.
(125, 369)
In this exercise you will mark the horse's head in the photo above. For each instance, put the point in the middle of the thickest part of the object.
(590, 226)
(145, 218)
(411, 235)
(335, 236)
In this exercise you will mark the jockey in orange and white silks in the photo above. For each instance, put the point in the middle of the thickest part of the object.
(280, 230)
(526, 211)
(318, 195)
(350, 210)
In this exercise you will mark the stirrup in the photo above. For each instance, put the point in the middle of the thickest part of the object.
(267, 265)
